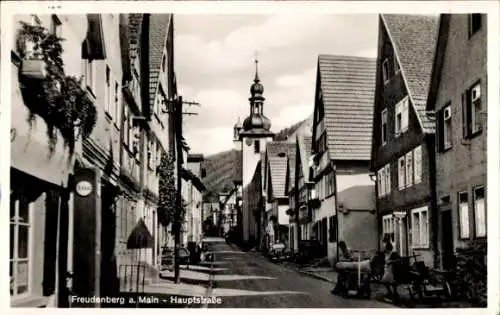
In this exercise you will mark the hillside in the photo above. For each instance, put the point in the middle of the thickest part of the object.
(223, 167)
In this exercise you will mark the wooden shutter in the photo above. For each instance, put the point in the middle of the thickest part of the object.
(405, 114)
(465, 116)
(388, 178)
(417, 160)
(401, 173)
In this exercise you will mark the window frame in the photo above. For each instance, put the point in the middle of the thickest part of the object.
(460, 215)
(402, 172)
(409, 174)
(470, 116)
(474, 204)
(385, 71)
(387, 178)
(402, 109)
(389, 222)
(420, 244)
(445, 128)
(417, 160)
(385, 128)
(15, 260)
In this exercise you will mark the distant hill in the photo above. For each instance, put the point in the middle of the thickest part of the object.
(223, 167)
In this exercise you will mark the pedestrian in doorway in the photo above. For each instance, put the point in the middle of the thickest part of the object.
(392, 258)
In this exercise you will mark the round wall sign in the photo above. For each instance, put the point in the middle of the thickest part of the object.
(84, 188)
(248, 141)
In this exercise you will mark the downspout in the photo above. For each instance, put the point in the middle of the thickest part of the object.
(433, 185)
(334, 170)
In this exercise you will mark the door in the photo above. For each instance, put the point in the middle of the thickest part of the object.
(324, 236)
(109, 281)
(447, 239)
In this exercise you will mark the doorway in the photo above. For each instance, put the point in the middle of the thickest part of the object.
(447, 239)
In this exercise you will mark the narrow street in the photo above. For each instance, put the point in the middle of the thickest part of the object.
(249, 280)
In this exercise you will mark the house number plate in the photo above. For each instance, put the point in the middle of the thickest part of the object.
(84, 188)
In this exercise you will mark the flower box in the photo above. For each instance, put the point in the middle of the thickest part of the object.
(34, 69)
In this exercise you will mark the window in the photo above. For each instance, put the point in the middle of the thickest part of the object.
(409, 169)
(126, 127)
(444, 129)
(388, 227)
(388, 178)
(420, 227)
(475, 23)
(257, 146)
(151, 153)
(417, 165)
(385, 71)
(331, 184)
(20, 243)
(116, 101)
(379, 183)
(384, 126)
(107, 105)
(472, 111)
(401, 173)
(479, 212)
(90, 75)
(55, 26)
(333, 226)
(401, 124)
(463, 214)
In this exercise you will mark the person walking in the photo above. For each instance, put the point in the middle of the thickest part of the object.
(392, 258)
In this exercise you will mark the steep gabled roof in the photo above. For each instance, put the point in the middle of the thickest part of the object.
(442, 42)
(347, 85)
(304, 146)
(414, 39)
(277, 169)
(159, 25)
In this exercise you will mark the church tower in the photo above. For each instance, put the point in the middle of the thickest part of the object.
(236, 135)
(254, 136)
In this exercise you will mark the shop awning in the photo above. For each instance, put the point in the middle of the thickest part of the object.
(140, 237)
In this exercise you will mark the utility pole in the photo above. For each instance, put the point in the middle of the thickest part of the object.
(177, 224)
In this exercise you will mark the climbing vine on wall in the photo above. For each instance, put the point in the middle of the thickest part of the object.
(57, 98)
(168, 191)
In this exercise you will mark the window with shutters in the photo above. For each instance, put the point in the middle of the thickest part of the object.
(388, 227)
(381, 182)
(401, 173)
(401, 123)
(384, 126)
(445, 131)
(417, 165)
(463, 214)
(388, 179)
(420, 227)
(479, 212)
(21, 211)
(409, 168)
(472, 109)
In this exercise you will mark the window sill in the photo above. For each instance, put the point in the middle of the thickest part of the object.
(420, 247)
(30, 301)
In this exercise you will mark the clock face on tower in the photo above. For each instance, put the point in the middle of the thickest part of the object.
(248, 141)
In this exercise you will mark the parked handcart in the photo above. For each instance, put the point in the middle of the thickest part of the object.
(354, 277)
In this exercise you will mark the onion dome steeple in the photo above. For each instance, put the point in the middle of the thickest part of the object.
(256, 120)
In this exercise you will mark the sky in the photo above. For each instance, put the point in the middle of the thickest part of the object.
(214, 64)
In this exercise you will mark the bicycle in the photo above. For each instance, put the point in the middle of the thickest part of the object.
(427, 282)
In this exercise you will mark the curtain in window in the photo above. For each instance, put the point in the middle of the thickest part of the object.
(480, 216)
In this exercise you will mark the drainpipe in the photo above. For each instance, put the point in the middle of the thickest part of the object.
(434, 210)
(334, 169)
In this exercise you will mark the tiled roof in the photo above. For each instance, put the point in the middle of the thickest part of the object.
(414, 38)
(158, 29)
(305, 145)
(277, 167)
(274, 148)
(358, 198)
(348, 85)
